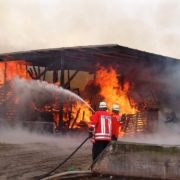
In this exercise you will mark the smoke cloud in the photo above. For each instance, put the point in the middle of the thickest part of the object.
(151, 26)
(42, 91)
(20, 135)
(167, 134)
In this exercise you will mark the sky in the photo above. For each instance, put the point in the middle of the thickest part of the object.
(148, 25)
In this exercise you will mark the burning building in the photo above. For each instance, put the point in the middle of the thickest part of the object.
(140, 83)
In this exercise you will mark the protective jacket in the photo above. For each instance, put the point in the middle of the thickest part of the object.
(115, 124)
(92, 129)
(101, 124)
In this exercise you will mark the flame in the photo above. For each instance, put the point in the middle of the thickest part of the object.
(112, 91)
(2, 69)
(8, 70)
(82, 112)
(16, 68)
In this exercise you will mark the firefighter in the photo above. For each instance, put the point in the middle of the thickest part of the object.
(100, 130)
(115, 121)
(172, 118)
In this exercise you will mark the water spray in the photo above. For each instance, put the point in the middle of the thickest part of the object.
(37, 86)
(22, 85)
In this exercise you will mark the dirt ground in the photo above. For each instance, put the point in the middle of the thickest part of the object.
(30, 161)
(24, 156)
(27, 161)
(27, 156)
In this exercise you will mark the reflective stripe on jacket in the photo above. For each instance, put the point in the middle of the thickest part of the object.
(101, 122)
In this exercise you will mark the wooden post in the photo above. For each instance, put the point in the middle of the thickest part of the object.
(55, 76)
(35, 71)
(5, 92)
(60, 102)
(26, 71)
(75, 118)
(46, 69)
(68, 85)
(44, 76)
(39, 72)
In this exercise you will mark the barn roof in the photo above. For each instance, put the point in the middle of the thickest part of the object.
(87, 56)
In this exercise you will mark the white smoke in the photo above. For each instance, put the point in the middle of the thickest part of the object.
(20, 135)
(167, 134)
(151, 26)
(26, 89)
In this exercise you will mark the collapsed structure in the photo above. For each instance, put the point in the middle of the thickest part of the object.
(136, 80)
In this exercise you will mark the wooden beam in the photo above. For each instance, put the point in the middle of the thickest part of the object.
(62, 71)
(61, 103)
(35, 71)
(44, 75)
(71, 78)
(75, 118)
(46, 69)
(69, 84)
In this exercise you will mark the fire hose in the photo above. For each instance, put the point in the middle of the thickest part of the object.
(64, 160)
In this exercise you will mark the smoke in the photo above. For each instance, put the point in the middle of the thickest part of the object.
(151, 26)
(167, 134)
(41, 91)
(21, 135)
(24, 149)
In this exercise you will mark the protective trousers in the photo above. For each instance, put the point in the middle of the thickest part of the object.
(98, 147)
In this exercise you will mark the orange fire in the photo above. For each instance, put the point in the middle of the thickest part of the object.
(111, 92)
(82, 112)
(2, 73)
(8, 70)
(106, 79)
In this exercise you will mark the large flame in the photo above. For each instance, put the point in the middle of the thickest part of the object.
(2, 73)
(80, 113)
(112, 91)
(8, 70)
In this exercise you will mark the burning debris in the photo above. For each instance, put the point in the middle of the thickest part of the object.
(42, 105)
(117, 75)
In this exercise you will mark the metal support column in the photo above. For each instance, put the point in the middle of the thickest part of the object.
(60, 100)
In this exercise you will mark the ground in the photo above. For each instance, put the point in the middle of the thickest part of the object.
(24, 156)
(29, 161)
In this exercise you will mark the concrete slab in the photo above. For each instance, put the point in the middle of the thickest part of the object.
(139, 160)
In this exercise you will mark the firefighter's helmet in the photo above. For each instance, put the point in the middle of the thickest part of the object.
(102, 105)
(115, 107)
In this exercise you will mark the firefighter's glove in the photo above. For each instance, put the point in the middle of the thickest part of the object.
(114, 138)
(90, 132)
